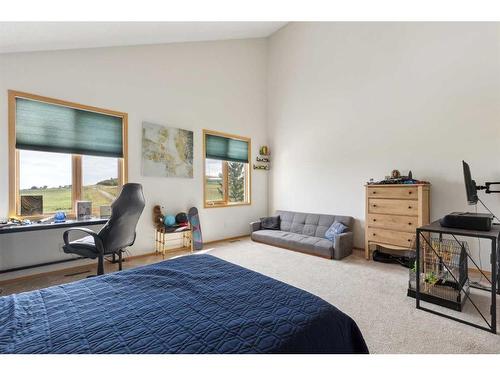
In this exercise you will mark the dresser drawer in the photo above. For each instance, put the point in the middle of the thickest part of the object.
(394, 222)
(392, 206)
(391, 237)
(393, 192)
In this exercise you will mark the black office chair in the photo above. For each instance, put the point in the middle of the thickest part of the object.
(117, 234)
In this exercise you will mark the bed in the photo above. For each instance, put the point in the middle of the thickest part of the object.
(192, 304)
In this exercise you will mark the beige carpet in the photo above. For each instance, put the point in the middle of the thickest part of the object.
(373, 294)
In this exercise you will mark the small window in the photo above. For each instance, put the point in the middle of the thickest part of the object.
(214, 181)
(227, 172)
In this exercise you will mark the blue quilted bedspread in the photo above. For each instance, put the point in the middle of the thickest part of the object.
(193, 304)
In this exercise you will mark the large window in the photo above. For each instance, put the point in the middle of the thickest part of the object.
(62, 152)
(227, 172)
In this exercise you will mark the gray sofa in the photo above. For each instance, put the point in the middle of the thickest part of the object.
(305, 232)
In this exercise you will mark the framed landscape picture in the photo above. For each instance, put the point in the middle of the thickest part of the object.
(166, 151)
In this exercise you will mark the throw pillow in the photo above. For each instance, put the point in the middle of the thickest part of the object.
(271, 222)
(335, 229)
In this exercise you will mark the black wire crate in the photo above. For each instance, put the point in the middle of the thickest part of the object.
(444, 276)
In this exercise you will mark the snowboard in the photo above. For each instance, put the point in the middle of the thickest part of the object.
(194, 221)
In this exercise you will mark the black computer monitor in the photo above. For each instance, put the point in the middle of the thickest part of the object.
(470, 185)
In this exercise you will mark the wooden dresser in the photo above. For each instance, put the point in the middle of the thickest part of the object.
(393, 212)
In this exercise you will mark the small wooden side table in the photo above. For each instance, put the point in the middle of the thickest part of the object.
(164, 235)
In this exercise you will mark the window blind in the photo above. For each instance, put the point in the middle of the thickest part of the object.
(229, 149)
(54, 128)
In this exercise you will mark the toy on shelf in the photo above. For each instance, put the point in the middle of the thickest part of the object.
(169, 220)
(182, 219)
(158, 216)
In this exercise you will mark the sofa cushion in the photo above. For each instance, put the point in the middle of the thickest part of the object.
(335, 229)
(295, 241)
(271, 222)
(269, 236)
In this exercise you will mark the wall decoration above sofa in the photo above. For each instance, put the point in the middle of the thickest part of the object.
(166, 151)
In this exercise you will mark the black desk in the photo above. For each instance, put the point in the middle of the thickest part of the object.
(494, 236)
(47, 226)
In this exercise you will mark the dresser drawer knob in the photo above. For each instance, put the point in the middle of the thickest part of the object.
(374, 220)
(374, 192)
(374, 205)
(409, 192)
(373, 234)
(409, 207)
(409, 223)
(409, 240)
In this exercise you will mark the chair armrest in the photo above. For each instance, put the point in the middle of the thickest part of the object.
(342, 245)
(97, 239)
(254, 226)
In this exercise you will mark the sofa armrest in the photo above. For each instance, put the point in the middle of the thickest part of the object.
(254, 226)
(342, 245)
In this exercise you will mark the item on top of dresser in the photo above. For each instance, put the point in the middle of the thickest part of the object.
(391, 180)
(395, 174)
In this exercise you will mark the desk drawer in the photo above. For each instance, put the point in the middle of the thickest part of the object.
(394, 222)
(393, 192)
(392, 206)
(391, 237)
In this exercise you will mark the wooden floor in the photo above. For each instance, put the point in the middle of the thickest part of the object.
(68, 275)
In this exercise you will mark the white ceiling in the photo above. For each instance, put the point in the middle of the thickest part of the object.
(43, 36)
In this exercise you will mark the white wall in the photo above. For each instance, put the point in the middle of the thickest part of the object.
(345, 102)
(212, 85)
(352, 101)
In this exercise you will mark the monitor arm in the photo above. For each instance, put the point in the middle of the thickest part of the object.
(487, 187)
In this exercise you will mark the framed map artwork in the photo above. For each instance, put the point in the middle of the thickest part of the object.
(166, 151)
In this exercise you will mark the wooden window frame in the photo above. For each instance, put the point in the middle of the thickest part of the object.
(248, 171)
(76, 160)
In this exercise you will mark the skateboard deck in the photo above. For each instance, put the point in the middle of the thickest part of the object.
(194, 221)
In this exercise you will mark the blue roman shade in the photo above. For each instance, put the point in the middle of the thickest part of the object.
(54, 128)
(223, 148)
